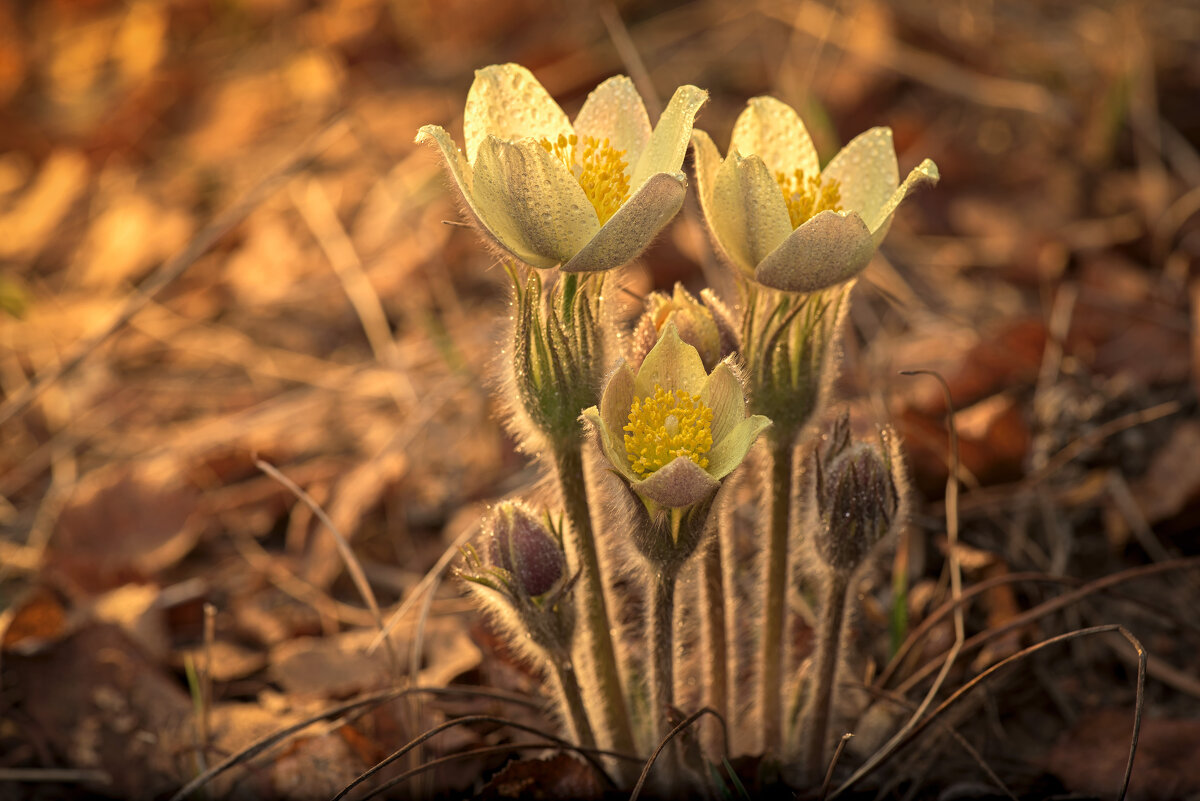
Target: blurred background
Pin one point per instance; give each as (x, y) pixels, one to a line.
(219, 244)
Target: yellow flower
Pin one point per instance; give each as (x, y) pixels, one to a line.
(783, 221)
(672, 430)
(588, 196)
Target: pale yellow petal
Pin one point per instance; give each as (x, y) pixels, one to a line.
(462, 174)
(749, 215)
(615, 402)
(772, 130)
(614, 111)
(826, 250)
(669, 140)
(671, 364)
(731, 451)
(924, 173)
(866, 172)
(723, 394)
(507, 102)
(633, 227)
(532, 201)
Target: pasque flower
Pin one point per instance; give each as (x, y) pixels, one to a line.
(782, 220)
(671, 430)
(588, 195)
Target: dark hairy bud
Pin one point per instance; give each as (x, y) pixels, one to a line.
(523, 546)
(857, 502)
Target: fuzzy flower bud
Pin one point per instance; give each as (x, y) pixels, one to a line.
(522, 545)
(702, 323)
(857, 502)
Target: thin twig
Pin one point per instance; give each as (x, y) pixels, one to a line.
(353, 567)
(675, 732)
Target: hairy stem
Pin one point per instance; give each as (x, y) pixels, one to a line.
(815, 735)
(564, 671)
(715, 649)
(775, 600)
(662, 662)
(613, 714)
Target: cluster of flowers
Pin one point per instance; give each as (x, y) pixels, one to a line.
(676, 406)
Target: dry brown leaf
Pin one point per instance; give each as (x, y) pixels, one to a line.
(560, 776)
(124, 523)
(1091, 757)
(34, 620)
(27, 225)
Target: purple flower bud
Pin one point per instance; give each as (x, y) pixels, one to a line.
(522, 544)
(857, 501)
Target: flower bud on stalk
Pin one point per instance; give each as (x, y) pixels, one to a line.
(525, 588)
(858, 503)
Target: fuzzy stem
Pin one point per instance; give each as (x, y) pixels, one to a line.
(564, 671)
(713, 594)
(829, 639)
(662, 662)
(614, 716)
(775, 568)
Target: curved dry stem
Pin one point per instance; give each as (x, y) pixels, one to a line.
(903, 703)
(1047, 607)
(906, 736)
(436, 730)
(260, 746)
(484, 751)
(684, 724)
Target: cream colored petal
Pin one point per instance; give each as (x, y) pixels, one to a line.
(616, 400)
(614, 111)
(671, 364)
(633, 227)
(866, 171)
(669, 140)
(540, 204)
(507, 102)
(724, 395)
(772, 130)
(750, 216)
(678, 484)
(826, 250)
(613, 446)
(924, 173)
(727, 454)
(498, 231)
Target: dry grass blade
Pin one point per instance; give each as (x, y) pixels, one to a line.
(441, 727)
(961, 693)
(837, 755)
(478, 752)
(275, 738)
(683, 725)
(970, 750)
(1053, 605)
(352, 564)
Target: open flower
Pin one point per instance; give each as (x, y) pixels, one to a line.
(783, 221)
(590, 195)
(671, 430)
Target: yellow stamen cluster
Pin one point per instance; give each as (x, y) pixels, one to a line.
(807, 195)
(599, 168)
(665, 427)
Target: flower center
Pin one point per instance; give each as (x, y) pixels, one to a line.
(808, 195)
(666, 426)
(599, 168)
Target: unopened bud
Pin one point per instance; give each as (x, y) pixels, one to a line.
(523, 545)
(701, 324)
(857, 501)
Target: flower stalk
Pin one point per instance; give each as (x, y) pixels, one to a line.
(829, 640)
(597, 635)
(775, 560)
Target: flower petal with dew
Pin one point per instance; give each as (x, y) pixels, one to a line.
(588, 195)
(671, 429)
(775, 215)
